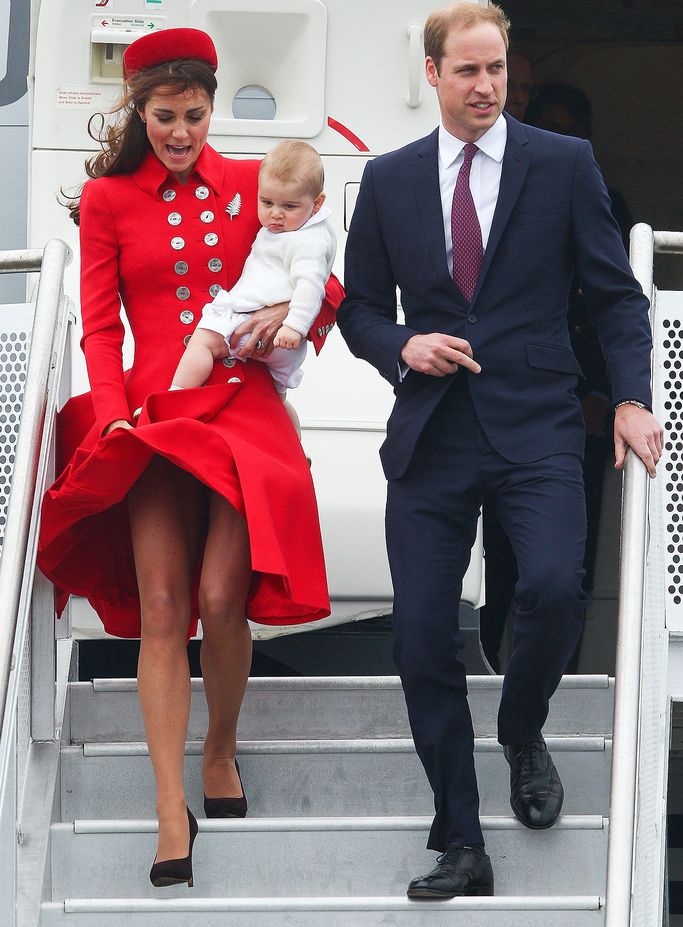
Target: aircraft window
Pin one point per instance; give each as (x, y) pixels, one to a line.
(254, 102)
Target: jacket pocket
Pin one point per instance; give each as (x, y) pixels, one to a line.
(552, 357)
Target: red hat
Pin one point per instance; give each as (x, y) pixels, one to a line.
(168, 45)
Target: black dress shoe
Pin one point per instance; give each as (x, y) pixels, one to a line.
(175, 871)
(227, 807)
(459, 871)
(536, 793)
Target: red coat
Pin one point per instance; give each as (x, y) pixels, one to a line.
(161, 246)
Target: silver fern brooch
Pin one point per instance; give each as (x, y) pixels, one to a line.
(234, 206)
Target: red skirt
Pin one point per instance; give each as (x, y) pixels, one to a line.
(237, 439)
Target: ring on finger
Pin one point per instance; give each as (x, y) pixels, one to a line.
(260, 345)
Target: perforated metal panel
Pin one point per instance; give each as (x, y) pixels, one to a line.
(15, 329)
(668, 376)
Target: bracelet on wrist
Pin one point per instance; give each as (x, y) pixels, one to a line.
(631, 402)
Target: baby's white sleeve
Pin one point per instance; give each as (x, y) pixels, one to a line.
(310, 269)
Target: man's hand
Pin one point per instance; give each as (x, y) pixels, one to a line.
(261, 327)
(638, 429)
(438, 355)
(287, 338)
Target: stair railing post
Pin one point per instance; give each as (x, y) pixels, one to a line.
(629, 646)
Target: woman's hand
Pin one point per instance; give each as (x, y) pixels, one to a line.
(261, 327)
(119, 423)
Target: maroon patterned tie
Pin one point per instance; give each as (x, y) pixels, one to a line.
(465, 229)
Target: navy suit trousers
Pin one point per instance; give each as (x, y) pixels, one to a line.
(431, 524)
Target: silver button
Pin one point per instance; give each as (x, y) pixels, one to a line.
(320, 333)
(182, 292)
(234, 380)
(201, 193)
(186, 340)
(215, 290)
(215, 264)
(229, 361)
(211, 239)
(181, 267)
(207, 216)
(186, 316)
(174, 218)
(168, 195)
(177, 243)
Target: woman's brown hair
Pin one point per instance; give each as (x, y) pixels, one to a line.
(123, 140)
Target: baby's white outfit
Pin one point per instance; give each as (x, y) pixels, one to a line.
(282, 267)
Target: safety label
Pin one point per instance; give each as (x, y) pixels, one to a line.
(79, 97)
(127, 23)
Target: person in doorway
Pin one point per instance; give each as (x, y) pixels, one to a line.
(482, 225)
(290, 261)
(520, 87)
(204, 506)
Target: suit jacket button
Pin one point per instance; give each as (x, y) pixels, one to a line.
(186, 316)
(471, 317)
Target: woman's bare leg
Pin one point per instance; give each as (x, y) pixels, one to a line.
(166, 513)
(226, 645)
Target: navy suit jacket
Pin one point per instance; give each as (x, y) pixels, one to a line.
(552, 220)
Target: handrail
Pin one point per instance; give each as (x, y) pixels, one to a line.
(627, 694)
(627, 698)
(25, 261)
(55, 257)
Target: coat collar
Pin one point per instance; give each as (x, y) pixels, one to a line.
(427, 191)
(152, 174)
(515, 166)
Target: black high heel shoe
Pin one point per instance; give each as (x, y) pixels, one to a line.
(175, 871)
(227, 807)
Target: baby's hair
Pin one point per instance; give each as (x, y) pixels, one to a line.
(295, 162)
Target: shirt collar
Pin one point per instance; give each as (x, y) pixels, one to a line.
(152, 174)
(492, 143)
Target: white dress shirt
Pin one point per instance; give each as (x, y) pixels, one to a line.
(487, 166)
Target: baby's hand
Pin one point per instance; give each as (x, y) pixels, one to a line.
(286, 337)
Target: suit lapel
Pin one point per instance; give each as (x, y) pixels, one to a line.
(428, 195)
(515, 166)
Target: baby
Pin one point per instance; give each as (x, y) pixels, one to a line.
(290, 261)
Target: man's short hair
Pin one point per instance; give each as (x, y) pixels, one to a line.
(295, 162)
(459, 16)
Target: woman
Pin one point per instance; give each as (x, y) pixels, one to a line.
(204, 504)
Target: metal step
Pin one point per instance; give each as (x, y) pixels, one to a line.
(107, 710)
(396, 911)
(324, 777)
(321, 856)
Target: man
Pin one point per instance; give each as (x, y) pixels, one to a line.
(520, 84)
(482, 226)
